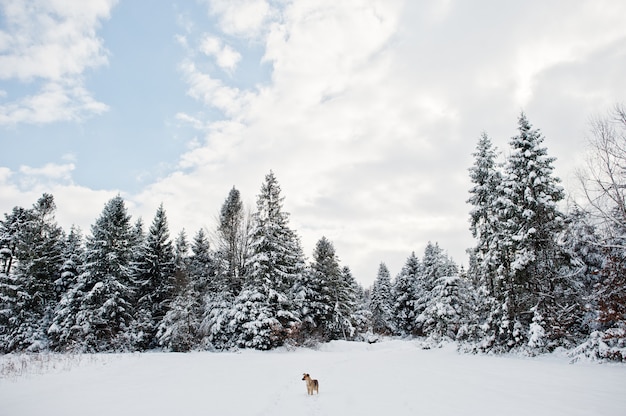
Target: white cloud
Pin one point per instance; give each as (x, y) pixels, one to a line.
(226, 57)
(50, 171)
(76, 205)
(55, 101)
(247, 18)
(50, 44)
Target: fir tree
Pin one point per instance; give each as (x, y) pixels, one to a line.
(353, 306)
(103, 296)
(451, 312)
(381, 302)
(181, 262)
(531, 262)
(28, 290)
(484, 223)
(404, 295)
(155, 281)
(264, 313)
(201, 263)
(318, 291)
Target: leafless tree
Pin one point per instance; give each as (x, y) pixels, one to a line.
(604, 179)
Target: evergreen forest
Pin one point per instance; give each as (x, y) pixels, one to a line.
(540, 276)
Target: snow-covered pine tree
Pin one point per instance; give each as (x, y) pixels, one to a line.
(181, 262)
(435, 264)
(404, 295)
(356, 303)
(531, 262)
(484, 223)
(104, 293)
(348, 316)
(317, 294)
(28, 288)
(582, 241)
(381, 302)
(264, 314)
(73, 257)
(154, 282)
(180, 328)
(451, 312)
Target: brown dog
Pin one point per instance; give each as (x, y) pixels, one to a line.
(311, 385)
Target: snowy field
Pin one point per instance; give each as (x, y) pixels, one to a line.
(389, 378)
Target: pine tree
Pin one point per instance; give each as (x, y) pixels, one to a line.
(73, 257)
(531, 263)
(355, 306)
(404, 295)
(317, 293)
(451, 312)
(103, 296)
(381, 302)
(155, 281)
(484, 223)
(263, 314)
(28, 288)
(201, 263)
(435, 265)
(179, 328)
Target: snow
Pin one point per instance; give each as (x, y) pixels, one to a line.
(389, 377)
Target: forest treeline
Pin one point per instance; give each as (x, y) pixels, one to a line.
(538, 278)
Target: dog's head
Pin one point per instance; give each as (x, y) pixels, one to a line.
(305, 376)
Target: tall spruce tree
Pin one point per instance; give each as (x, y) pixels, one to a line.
(103, 296)
(435, 265)
(531, 266)
(34, 244)
(355, 306)
(263, 314)
(484, 223)
(381, 302)
(318, 291)
(154, 282)
(73, 258)
(404, 295)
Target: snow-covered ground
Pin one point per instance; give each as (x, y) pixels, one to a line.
(389, 378)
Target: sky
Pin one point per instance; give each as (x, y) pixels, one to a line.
(367, 111)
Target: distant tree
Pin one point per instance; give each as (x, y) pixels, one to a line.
(484, 223)
(155, 281)
(354, 303)
(73, 267)
(73, 255)
(381, 302)
(201, 263)
(179, 328)
(326, 296)
(181, 262)
(404, 295)
(451, 312)
(232, 237)
(435, 265)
